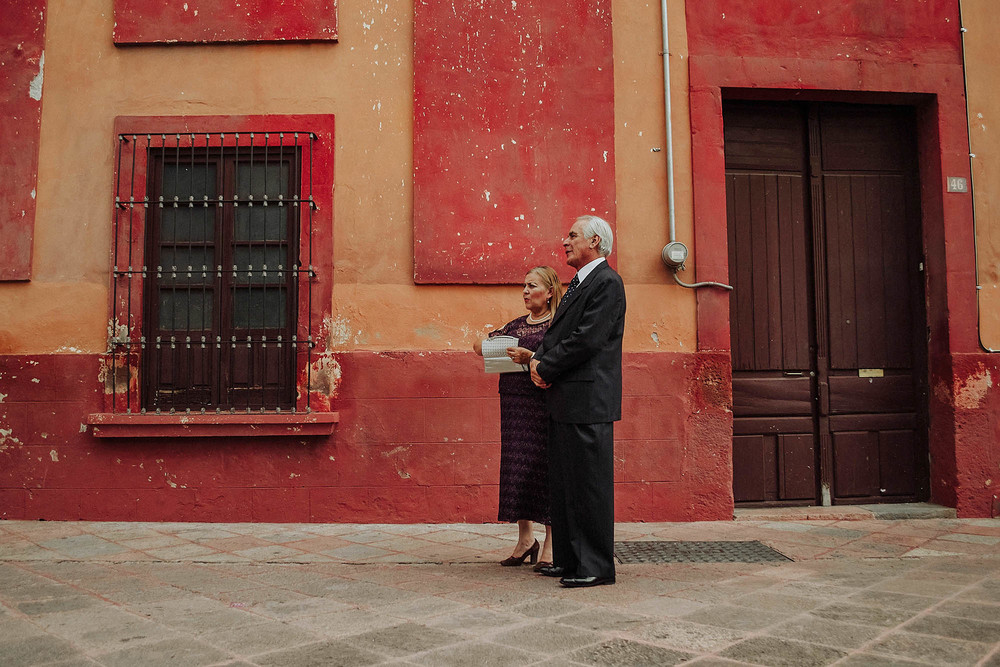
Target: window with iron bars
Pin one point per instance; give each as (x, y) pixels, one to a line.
(212, 272)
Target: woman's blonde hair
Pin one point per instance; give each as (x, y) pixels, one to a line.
(550, 279)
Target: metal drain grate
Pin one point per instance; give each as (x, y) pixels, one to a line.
(697, 552)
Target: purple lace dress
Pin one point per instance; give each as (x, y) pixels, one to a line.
(524, 466)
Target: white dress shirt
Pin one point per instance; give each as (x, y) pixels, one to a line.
(587, 268)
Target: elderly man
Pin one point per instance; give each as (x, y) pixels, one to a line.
(580, 363)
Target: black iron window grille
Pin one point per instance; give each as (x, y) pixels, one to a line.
(212, 273)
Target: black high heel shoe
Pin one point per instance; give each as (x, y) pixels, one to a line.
(531, 553)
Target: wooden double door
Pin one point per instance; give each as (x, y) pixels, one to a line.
(827, 313)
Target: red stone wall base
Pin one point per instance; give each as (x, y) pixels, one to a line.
(417, 441)
(965, 433)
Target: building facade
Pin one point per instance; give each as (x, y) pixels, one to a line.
(244, 253)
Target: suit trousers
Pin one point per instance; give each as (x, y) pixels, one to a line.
(581, 469)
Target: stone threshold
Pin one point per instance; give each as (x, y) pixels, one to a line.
(879, 512)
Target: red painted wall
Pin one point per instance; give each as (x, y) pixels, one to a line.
(22, 44)
(206, 21)
(418, 441)
(973, 402)
(862, 51)
(513, 134)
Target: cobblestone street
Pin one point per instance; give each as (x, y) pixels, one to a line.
(857, 590)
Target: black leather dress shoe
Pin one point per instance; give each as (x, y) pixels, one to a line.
(584, 582)
(552, 571)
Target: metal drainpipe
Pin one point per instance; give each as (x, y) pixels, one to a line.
(972, 187)
(675, 253)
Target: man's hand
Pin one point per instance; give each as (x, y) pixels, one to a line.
(536, 378)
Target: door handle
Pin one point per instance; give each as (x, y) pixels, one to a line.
(793, 374)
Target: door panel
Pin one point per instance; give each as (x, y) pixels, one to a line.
(785, 396)
(797, 466)
(856, 463)
(853, 394)
(771, 315)
(897, 468)
(829, 356)
(776, 467)
(773, 394)
(866, 244)
(864, 137)
(874, 463)
(749, 425)
(758, 471)
(871, 223)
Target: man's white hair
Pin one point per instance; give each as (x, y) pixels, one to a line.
(594, 226)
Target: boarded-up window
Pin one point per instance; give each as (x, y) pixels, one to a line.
(22, 40)
(206, 21)
(513, 134)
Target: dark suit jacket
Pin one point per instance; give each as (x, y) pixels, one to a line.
(581, 353)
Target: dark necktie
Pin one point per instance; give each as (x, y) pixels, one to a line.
(573, 284)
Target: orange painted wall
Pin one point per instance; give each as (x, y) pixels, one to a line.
(982, 24)
(366, 80)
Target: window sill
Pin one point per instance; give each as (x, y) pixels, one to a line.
(183, 425)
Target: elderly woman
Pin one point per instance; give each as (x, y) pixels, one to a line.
(524, 495)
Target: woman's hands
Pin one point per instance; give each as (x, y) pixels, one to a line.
(519, 355)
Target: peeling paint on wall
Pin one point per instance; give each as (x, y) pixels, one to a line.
(339, 329)
(116, 332)
(35, 88)
(325, 375)
(7, 439)
(116, 378)
(973, 390)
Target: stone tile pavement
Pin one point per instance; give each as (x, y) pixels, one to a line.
(858, 590)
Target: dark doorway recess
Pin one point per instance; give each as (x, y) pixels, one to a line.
(827, 315)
